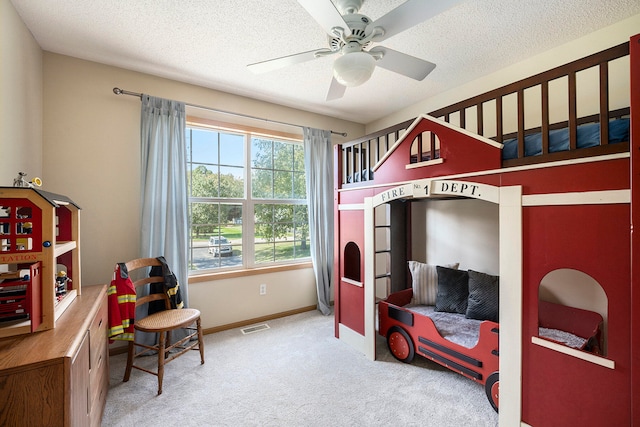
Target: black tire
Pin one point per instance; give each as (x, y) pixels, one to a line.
(491, 389)
(400, 344)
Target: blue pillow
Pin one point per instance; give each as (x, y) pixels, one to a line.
(619, 130)
(510, 149)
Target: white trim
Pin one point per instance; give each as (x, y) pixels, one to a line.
(351, 207)
(401, 192)
(589, 357)
(425, 163)
(605, 197)
(351, 337)
(460, 188)
(351, 282)
(429, 188)
(510, 219)
(369, 279)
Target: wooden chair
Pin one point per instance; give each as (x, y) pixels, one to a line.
(162, 323)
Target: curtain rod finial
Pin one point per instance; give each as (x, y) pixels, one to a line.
(117, 91)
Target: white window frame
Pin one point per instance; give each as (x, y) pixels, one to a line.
(248, 202)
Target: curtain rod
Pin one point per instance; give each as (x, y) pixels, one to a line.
(119, 91)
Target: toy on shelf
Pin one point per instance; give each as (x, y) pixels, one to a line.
(21, 182)
(61, 285)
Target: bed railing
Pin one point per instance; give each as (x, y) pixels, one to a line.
(359, 156)
(535, 105)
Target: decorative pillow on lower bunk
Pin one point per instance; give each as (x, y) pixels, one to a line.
(484, 296)
(425, 281)
(453, 290)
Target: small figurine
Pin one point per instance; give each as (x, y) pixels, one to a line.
(61, 284)
(21, 182)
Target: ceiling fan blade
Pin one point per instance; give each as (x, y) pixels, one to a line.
(408, 14)
(326, 14)
(274, 64)
(402, 63)
(336, 90)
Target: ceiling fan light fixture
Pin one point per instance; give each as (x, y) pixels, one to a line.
(354, 68)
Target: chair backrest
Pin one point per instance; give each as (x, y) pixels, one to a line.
(141, 265)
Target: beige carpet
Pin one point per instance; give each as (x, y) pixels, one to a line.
(295, 374)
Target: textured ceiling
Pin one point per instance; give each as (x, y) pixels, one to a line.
(209, 43)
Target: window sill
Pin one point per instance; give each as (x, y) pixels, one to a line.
(425, 163)
(351, 282)
(207, 277)
(589, 357)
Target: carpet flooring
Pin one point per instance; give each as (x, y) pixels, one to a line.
(296, 373)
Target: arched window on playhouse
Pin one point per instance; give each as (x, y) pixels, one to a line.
(352, 263)
(572, 311)
(425, 149)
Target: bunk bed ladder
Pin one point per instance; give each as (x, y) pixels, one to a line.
(392, 246)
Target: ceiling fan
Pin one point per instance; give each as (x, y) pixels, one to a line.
(350, 34)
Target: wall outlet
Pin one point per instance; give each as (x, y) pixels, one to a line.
(263, 289)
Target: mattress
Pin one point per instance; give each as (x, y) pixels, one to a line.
(458, 329)
(563, 337)
(451, 326)
(588, 135)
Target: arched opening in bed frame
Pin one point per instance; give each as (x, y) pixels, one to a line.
(352, 262)
(576, 289)
(509, 201)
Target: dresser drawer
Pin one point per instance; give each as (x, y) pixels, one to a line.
(99, 363)
(98, 334)
(99, 385)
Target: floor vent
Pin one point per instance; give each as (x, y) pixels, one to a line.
(256, 328)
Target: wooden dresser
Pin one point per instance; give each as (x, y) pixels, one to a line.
(59, 377)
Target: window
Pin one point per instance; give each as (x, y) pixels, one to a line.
(247, 200)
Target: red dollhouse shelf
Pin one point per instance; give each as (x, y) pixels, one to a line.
(39, 231)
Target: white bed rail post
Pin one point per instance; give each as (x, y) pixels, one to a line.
(369, 280)
(510, 306)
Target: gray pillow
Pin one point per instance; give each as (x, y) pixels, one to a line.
(453, 290)
(484, 297)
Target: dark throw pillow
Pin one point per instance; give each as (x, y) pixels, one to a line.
(484, 296)
(453, 290)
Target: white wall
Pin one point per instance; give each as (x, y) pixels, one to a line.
(20, 98)
(228, 301)
(464, 231)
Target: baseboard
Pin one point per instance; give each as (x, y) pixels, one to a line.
(257, 320)
(123, 348)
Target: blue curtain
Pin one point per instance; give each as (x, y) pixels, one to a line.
(318, 163)
(164, 221)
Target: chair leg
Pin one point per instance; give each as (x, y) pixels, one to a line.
(161, 357)
(127, 371)
(200, 341)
